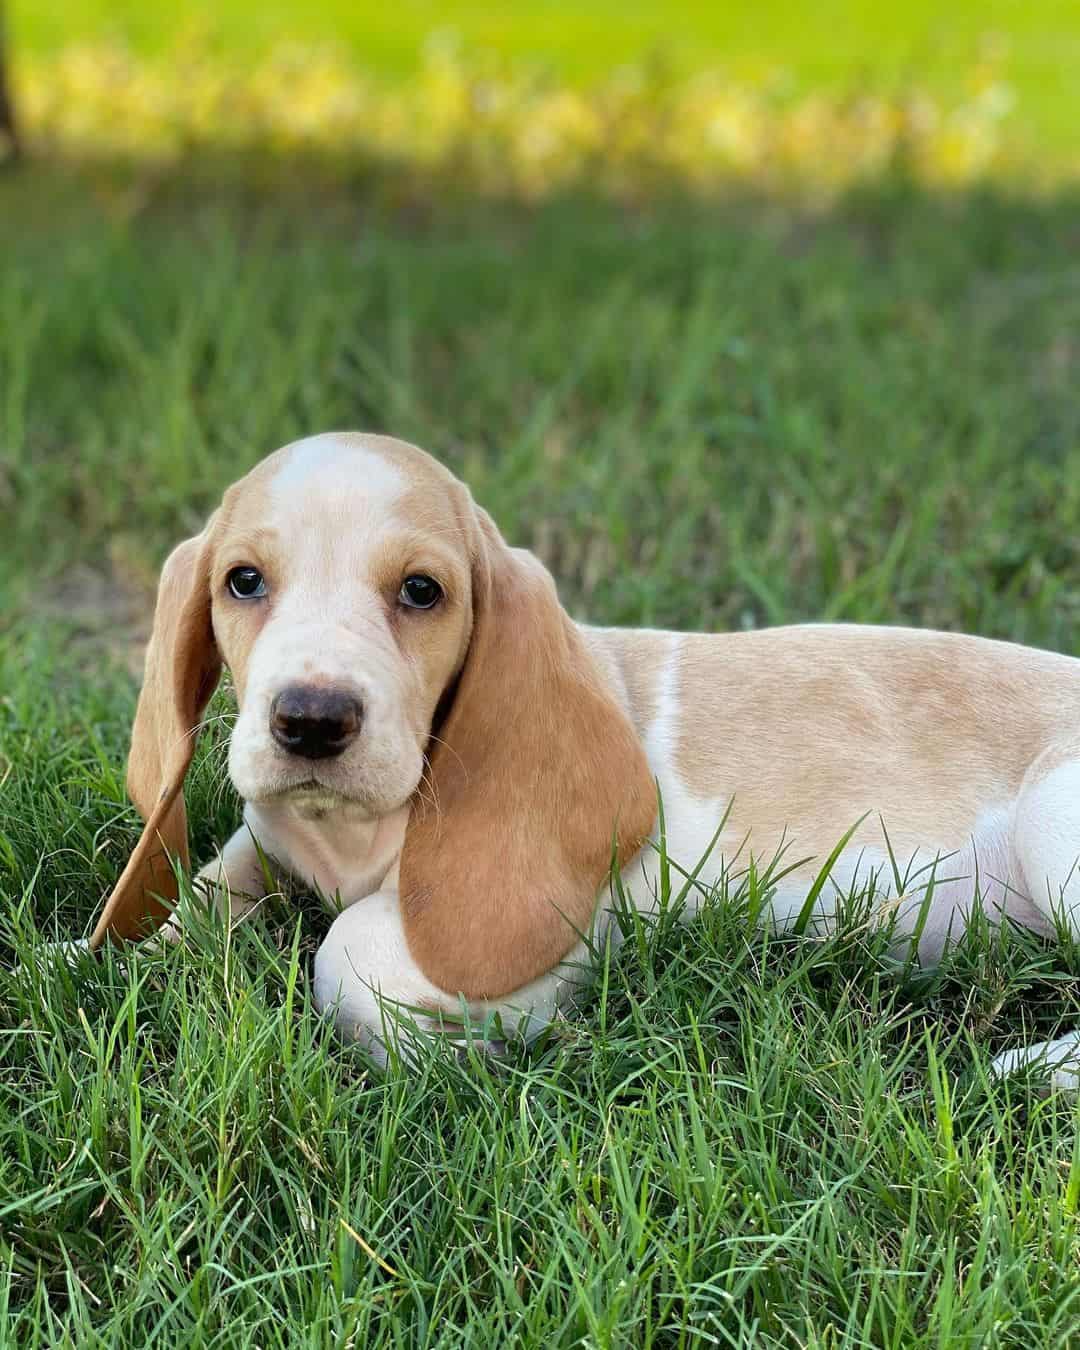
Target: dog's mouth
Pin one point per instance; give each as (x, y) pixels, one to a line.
(315, 790)
(312, 790)
(313, 797)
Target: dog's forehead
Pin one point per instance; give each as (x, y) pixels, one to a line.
(329, 465)
(345, 478)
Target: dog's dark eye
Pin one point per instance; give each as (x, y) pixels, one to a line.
(246, 583)
(420, 592)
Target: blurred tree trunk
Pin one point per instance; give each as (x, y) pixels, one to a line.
(9, 127)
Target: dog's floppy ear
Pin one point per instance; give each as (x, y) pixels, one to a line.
(536, 773)
(182, 669)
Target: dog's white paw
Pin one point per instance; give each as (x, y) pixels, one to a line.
(170, 934)
(208, 894)
(68, 951)
(48, 954)
(1059, 1060)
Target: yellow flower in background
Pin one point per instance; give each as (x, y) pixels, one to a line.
(471, 123)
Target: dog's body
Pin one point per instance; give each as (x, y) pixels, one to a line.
(461, 774)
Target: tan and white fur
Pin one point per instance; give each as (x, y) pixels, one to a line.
(504, 756)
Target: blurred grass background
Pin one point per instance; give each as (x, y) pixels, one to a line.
(737, 315)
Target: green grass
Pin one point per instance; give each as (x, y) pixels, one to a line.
(833, 43)
(699, 418)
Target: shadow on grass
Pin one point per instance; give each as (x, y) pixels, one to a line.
(414, 195)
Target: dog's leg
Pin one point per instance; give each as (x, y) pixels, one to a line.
(367, 980)
(234, 880)
(1046, 845)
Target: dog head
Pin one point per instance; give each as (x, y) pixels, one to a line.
(388, 648)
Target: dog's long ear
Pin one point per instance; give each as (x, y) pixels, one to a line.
(535, 773)
(182, 669)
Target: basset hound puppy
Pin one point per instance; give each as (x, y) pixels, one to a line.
(425, 735)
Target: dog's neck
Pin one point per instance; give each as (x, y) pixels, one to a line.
(330, 843)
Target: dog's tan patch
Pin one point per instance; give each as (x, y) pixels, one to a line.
(810, 728)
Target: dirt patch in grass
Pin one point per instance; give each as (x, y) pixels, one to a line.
(108, 615)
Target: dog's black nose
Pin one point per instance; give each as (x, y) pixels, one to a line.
(313, 722)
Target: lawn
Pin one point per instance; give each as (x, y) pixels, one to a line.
(703, 415)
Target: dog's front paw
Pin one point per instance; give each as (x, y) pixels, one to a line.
(1056, 1061)
(211, 893)
(48, 953)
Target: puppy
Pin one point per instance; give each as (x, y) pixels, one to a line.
(425, 735)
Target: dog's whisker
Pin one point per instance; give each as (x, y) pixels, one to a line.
(439, 741)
